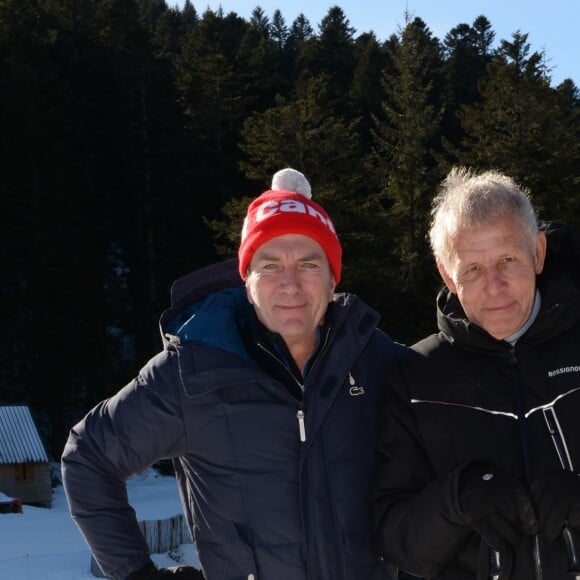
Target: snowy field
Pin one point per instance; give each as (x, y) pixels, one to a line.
(45, 544)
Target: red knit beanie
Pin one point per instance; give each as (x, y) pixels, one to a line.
(287, 208)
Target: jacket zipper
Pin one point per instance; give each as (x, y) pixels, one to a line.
(301, 426)
(525, 451)
(300, 414)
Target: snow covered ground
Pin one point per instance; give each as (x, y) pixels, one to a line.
(45, 544)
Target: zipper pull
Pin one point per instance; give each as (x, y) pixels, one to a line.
(300, 417)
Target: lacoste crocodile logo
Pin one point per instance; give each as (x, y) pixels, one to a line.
(354, 390)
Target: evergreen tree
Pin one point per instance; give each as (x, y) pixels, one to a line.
(406, 134)
(213, 99)
(260, 22)
(484, 37)
(332, 54)
(525, 128)
(258, 64)
(467, 51)
(170, 29)
(279, 31)
(366, 90)
(301, 30)
(189, 14)
(285, 53)
(501, 125)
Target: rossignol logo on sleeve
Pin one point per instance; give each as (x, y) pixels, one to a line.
(564, 370)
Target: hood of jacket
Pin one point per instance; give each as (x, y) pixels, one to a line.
(559, 286)
(205, 307)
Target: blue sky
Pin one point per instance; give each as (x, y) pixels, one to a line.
(552, 26)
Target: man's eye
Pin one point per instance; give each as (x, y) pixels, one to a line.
(471, 272)
(309, 265)
(507, 262)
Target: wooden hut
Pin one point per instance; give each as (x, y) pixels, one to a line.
(24, 466)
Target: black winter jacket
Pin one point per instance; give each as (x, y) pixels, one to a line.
(462, 396)
(261, 500)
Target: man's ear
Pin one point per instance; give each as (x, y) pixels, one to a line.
(446, 277)
(332, 288)
(248, 293)
(541, 244)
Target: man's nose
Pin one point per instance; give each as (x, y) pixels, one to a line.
(289, 279)
(495, 280)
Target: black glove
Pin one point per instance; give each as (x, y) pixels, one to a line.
(151, 572)
(556, 496)
(497, 505)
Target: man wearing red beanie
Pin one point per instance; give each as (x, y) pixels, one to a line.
(266, 396)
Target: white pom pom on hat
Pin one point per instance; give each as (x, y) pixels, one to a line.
(289, 179)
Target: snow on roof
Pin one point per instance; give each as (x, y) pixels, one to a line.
(19, 438)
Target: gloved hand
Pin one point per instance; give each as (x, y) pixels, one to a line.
(497, 505)
(556, 496)
(151, 572)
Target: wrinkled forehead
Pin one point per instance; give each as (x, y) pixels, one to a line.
(505, 236)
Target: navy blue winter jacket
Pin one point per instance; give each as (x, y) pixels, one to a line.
(260, 497)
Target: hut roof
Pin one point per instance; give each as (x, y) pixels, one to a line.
(19, 438)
